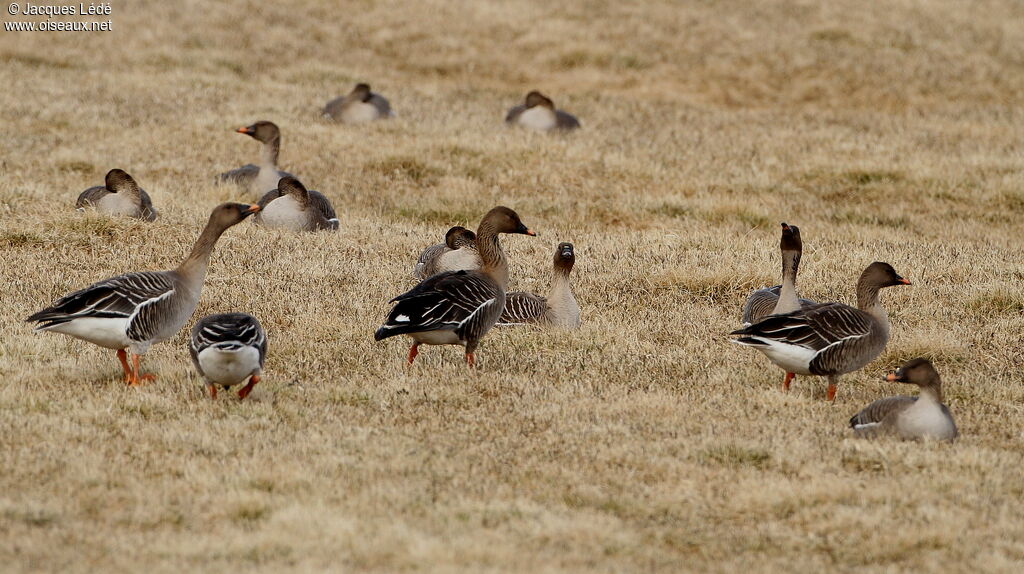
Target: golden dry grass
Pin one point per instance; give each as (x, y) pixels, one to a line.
(642, 442)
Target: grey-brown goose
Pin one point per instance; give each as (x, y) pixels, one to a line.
(229, 349)
(828, 339)
(119, 195)
(910, 418)
(559, 308)
(458, 307)
(135, 310)
(291, 206)
(261, 178)
(360, 106)
(780, 298)
(457, 253)
(539, 113)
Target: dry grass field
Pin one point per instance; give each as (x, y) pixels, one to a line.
(644, 441)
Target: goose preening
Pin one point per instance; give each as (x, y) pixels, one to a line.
(135, 310)
(457, 253)
(229, 349)
(828, 339)
(539, 113)
(119, 195)
(261, 178)
(909, 418)
(558, 309)
(291, 206)
(780, 298)
(458, 307)
(360, 106)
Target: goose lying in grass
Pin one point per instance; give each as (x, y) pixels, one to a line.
(119, 195)
(360, 106)
(135, 310)
(261, 178)
(229, 349)
(828, 339)
(909, 418)
(457, 253)
(558, 309)
(539, 113)
(780, 298)
(458, 307)
(291, 206)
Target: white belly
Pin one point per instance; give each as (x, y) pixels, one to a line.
(117, 204)
(108, 333)
(459, 260)
(437, 338)
(792, 358)
(925, 419)
(538, 118)
(266, 180)
(285, 213)
(229, 367)
(359, 113)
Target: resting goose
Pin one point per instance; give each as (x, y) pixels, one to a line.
(828, 339)
(135, 310)
(910, 418)
(119, 195)
(458, 307)
(228, 349)
(780, 298)
(457, 253)
(558, 309)
(539, 113)
(259, 179)
(360, 106)
(292, 206)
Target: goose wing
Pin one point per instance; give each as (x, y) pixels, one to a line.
(320, 202)
(242, 175)
(815, 327)
(442, 302)
(91, 196)
(513, 113)
(566, 121)
(870, 418)
(522, 307)
(130, 296)
(427, 261)
(239, 328)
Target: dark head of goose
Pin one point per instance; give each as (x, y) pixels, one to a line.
(880, 274)
(117, 180)
(262, 131)
(504, 220)
(565, 256)
(791, 238)
(915, 372)
(536, 98)
(227, 214)
(459, 236)
(289, 185)
(361, 92)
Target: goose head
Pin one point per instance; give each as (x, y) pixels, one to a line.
(119, 180)
(458, 237)
(879, 274)
(360, 93)
(918, 372)
(291, 186)
(227, 214)
(504, 220)
(536, 98)
(565, 257)
(262, 131)
(791, 239)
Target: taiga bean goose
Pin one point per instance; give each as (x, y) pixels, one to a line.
(458, 307)
(559, 308)
(360, 106)
(828, 339)
(119, 196)
(780, 298)
(292, 206)
(539, 113)
(229, 349)
(457, 253)
(910, 418)
(135, 310)
(259, 179)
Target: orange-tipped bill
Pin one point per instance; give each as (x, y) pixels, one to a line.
(253, 208)
(531, 232)
(904, 281)
(245, 131)
(891, 377)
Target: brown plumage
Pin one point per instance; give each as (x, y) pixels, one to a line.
(120, 195)
(538, 112)
(457, 253)
(291, 206)
(911, 418)
(261, 178)
(559, 308)
(359, 106)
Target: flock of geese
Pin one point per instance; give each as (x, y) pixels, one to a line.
(462, 291)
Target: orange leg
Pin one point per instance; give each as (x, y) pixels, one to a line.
(248, 387)
(122, 356)
(831, 394)
(138, 377)
(413, 351)
(213, 391)
(471, 359)
(787, 380)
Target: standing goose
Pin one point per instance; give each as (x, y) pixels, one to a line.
(828, 339)
(259, 179)
(458, 307)
(228, 349)
(559, 309)
(539, 113)
(910, 418)
(360, 106)
(135, 310)
(457, 253)
(119, 196)
(782, 298)
(292, 206)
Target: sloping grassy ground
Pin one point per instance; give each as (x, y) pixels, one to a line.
(642, 442)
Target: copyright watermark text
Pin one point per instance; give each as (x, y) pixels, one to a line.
(52, 11)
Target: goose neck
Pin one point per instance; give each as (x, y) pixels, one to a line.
(492, 256)
(788, 299)
(270, 151)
